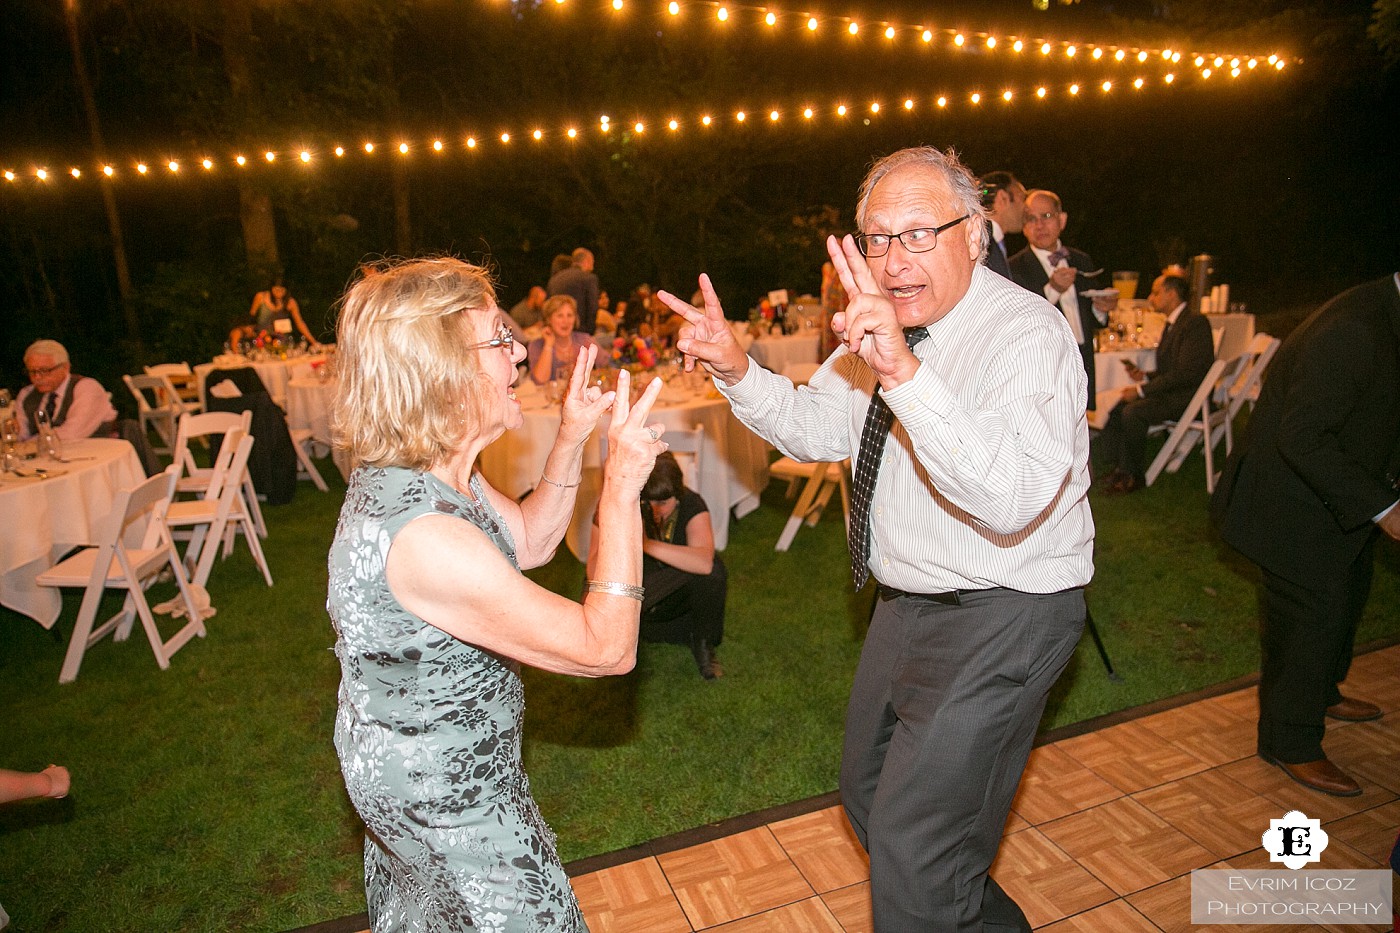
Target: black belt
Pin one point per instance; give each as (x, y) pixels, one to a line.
(950, 598)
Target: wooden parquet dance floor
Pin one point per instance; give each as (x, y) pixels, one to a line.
(1103, 835)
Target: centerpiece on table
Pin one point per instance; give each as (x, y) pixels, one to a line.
(633, 353)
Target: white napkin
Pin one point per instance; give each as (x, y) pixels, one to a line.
(225, 389)
(175, 608)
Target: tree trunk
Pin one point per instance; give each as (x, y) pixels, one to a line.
(254, 202)
(99, 149)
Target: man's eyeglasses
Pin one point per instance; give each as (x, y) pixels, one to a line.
(44, 371)
(504, 338)
(918, 240)
(1042, 218)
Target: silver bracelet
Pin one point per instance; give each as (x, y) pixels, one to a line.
(630, 590)
(560, 485)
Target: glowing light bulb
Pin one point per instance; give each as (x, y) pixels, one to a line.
(1200, 61)
(1137, 84)
(853, 28)
(639, 127)
(1176, 57)
(840, 110)
(207, 163)
(505, 137)
(807, 113)
(1218, 61)
(991, 42)
(471, 142)
(339, 151)
(1096, 54)
(141, 168)
(705, 120)
(106, 170)
(976, 98)
(1045, 48)
(270, 156)
(571, 132)
(770, 18)
(305, 156)
(908, 103)
(926, 35)
(437, 145)
(617, 4)
(75, 172)
(538, 135)
(1119, 55)
(722, 13)
(241, 160)
(1017, 46)
(1273, 59)
(403, 148)
(1205, 73)
(1141, 57)
(1070, 50)
(42, 174)
(958, 40)
(673, 125)
(673, 8)
(1107, 86)
(10, 176)
(811, 24)
(889, 32)
(1278, 65)
(1167, 54)
(369, 148)
(1169, 78)
(1040, 92)
(1074, 89)
(1006, 96)
(942, 101)
(741, 116)
(1253, 63)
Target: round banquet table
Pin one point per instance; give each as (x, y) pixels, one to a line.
(46, 518)
(735, 460)
(274, 373)
(309, 408)
(775, 353)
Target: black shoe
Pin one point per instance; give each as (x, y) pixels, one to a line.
(705, 659)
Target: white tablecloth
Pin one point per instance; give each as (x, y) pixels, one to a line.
(46, 518)
(308, 407)
(275, 374)
(735, 460)
(1110, 373)
(776, 353)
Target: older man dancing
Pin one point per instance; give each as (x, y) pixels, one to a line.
(967, 394)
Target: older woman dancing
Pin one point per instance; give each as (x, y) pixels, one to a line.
(432, 615)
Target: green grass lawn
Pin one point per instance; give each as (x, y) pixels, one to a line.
(208, 796)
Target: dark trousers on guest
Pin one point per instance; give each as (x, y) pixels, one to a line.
(683, 608)
(1122, 444)
(943, 711)
(1307, 636)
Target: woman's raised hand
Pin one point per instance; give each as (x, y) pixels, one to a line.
(633, 445)
(584, 404)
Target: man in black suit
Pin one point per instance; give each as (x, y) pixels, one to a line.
(1184, 356)
(578, 281)
(1062, 274)
(1302, 496)
(1004, 199)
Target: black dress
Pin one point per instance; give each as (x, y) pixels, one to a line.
(681, 608)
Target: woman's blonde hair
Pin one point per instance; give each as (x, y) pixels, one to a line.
(409, 391)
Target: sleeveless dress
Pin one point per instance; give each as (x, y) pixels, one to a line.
(428, 735)
(268, 316)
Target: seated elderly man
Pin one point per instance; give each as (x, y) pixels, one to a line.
(77, 406)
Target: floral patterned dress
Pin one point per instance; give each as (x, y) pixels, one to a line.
(428, 734)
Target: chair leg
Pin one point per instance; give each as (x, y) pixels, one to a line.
(250, 535)
(82, 635)
(802, 509)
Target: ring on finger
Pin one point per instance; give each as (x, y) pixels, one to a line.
(654, 435)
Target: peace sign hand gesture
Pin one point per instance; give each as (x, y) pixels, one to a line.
(706, 336)
(869, 326)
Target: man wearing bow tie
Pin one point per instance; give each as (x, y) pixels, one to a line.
(1062, 274)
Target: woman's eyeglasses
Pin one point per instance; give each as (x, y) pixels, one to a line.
(504, 338)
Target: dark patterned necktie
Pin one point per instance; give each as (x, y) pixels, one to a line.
(51, 406)
(878, 421)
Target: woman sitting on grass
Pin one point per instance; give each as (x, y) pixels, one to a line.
(432, 615)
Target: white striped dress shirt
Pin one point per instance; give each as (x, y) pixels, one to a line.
(984, 480)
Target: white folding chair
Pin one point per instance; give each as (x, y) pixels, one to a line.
(159, 404)
(1262, 349)
(111, 564)
(306, 467)
(689, 447)
(221, 513)
(1196, 422)
(822, 479)
(195, 478)
(183, 379)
